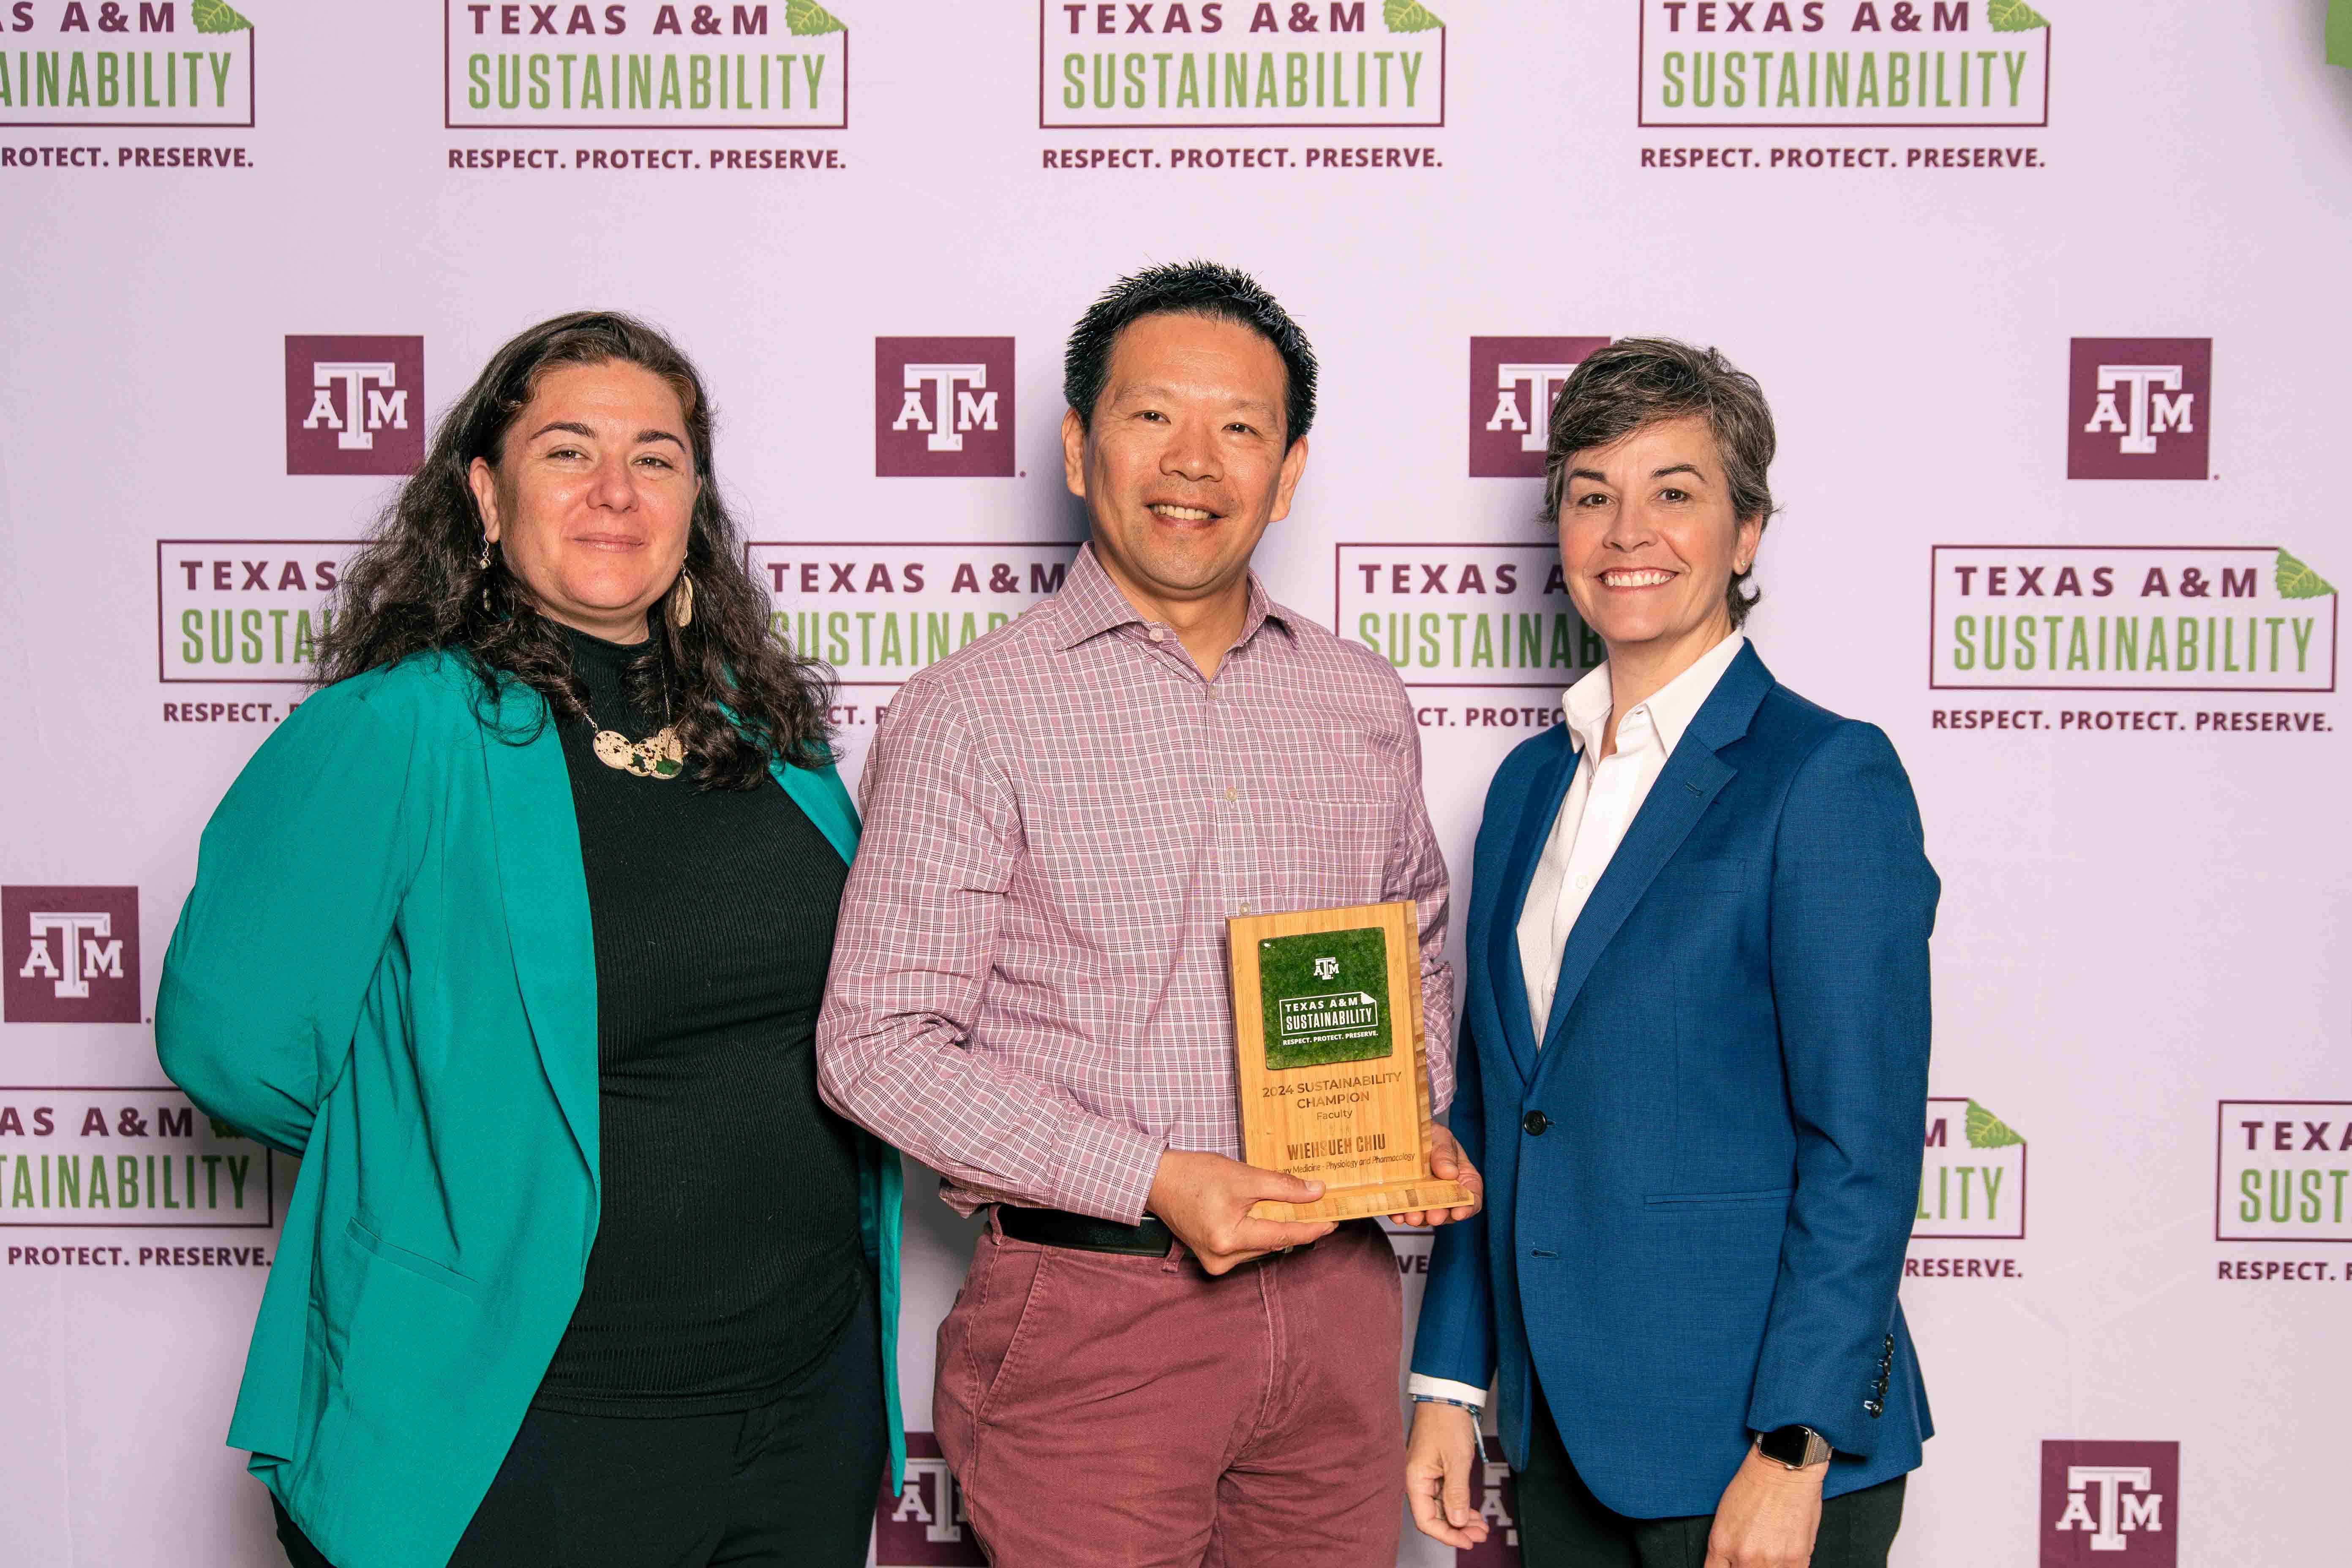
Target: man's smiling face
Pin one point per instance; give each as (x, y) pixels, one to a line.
(1186, 460)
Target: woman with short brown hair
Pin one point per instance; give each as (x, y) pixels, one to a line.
(1693, 1060)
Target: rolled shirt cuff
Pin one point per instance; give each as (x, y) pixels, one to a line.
(1422, 1387)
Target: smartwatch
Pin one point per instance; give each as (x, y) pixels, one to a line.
(1794, 1448)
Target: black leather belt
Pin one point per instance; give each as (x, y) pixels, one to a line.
(1058, 1228)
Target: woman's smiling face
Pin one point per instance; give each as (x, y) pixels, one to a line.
(593, 495)
(1648, 540)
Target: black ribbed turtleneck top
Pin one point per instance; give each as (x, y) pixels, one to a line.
(728, 1252)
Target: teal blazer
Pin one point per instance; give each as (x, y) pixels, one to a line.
(386, 967)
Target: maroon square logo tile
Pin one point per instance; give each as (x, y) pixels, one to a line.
(922, 1524)
(2140, 408)
(2110, 1505)
(942, 407)
(354, 405)
(72, 954)
(1513, 383)
(1494, 1495)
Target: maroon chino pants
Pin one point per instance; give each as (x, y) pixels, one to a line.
(1122, 1412)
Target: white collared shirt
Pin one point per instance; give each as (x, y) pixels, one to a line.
(1603, 801)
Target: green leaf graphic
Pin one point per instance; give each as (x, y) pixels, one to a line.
(1986, 1131)
(2296, 580)
(2015, 17)
(806, 19)
(217, 16)
(1409, 16)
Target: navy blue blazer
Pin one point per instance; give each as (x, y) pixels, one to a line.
(1699, 1191)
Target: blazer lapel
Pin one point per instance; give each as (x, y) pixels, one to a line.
(1689, 783)
(819, 794)
(1544, 796)
(817, 791)
(546, 895)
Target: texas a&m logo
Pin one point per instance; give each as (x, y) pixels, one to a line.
(1496, 1497)
(71, 954)
(942, 406)
(922, 1524)
(2140, 408)
(1513, 383)
(2110, 1504)
(354, 405)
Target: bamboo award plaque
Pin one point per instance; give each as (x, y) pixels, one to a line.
(1333, 1064)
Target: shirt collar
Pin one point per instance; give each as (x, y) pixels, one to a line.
(1585, 706)
(1090, 604)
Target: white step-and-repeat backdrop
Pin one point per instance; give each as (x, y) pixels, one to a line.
(2051, 307)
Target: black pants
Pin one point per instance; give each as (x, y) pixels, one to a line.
(1563, 1525)
(789, 1484)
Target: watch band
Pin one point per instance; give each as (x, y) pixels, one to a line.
(1794, 1448)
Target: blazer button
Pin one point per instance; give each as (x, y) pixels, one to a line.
(1535, 1122)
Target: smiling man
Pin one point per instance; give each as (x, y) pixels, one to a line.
(1029, 990)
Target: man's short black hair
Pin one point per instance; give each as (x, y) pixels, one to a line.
(1189, 288)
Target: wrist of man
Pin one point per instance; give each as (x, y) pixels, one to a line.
(1114, 1180)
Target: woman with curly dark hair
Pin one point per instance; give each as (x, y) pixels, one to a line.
(516, 932)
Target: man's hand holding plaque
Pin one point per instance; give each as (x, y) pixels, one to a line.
(1206, 1199)
(1333, 1076)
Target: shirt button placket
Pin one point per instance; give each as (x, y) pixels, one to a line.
(1233, 838)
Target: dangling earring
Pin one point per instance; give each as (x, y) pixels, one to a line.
(484, 563)
(681, 602)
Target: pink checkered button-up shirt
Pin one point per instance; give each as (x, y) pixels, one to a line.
(1029, 990)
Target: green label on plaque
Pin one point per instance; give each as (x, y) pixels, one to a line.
(1327, 998)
